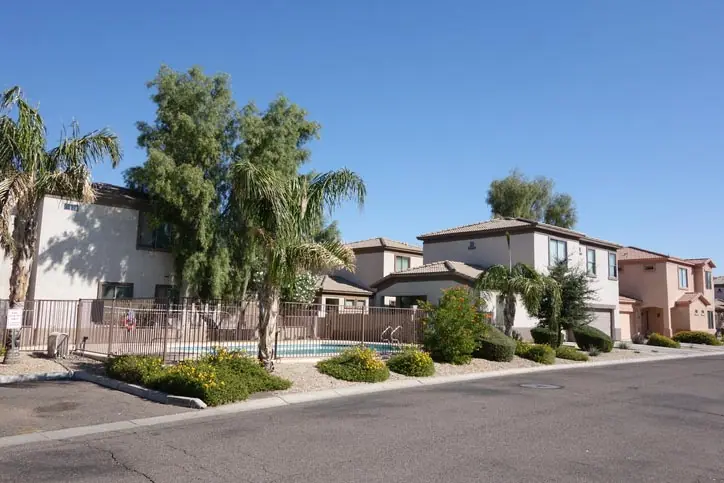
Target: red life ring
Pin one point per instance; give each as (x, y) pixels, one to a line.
(129, 323)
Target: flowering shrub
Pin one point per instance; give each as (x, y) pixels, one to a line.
(219, 378)
(696, 337)
(540, 353)
(412, 362)
(570, 353)
(359, 364)
(662, 341)
(453, 328)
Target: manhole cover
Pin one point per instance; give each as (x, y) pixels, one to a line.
(540, 386)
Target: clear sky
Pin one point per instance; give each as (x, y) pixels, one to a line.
(621, 102)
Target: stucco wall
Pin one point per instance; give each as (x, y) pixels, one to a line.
(4, 276)
(368, 269)
(389, 262)
(80, 249)
(488, 251)
(648, 286)
(430, 288)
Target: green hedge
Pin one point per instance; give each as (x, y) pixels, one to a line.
(570, 353)
(358, 364)
(696, 337)
(495, 346)
(413, 363)
(544, 335)
(662, 341)
(219, 378)
(588, 337)
(540, 353)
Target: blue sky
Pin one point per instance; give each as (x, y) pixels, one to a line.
(619, 102)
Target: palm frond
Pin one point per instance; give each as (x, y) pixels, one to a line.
(83, 151)
(318, 257)
(495, 278)
(329, 190)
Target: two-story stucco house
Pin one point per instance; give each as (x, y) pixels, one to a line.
(106, 249)
(375, 258)
(666, 294)
(458, 255)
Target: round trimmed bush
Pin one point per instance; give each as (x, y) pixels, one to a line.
(588, 337)
(696, 337)
(495, 346)
(544, 335)
(662, 341)
(357, 364)
(571, 353)
(413, 363)
(540, 353)
(140, 370)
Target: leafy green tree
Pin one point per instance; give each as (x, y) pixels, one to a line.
(575, 294)
(281, 211)
(189, 147)
(520, 197)
(517, 281)
(29, 171)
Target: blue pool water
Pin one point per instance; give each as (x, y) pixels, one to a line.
(297, 349)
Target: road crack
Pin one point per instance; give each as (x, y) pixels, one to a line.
(120, 463)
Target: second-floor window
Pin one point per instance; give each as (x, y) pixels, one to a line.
(151, 236)
(557, 252)
(401, 263)
(612, 265)
(710, 319)
(116, 290)
(591, 261)
(707, 278)
(683, 278)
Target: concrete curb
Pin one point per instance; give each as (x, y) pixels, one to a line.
(302, 397)
(139, 391)
(45, 376)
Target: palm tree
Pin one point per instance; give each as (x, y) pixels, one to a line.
(281, 215)
(29, 172)
(519, 280)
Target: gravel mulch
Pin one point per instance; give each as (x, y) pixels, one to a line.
(38, 363)
(305, 377)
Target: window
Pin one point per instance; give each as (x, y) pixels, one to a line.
(164, 294)
(407, 301)
(649, 268)
(557, 252)
(683, 278)
(591, 261)
(471, 245)
(359, 303)
(348, 303)
(612, 266)
(71, 207)
(401, 263)
(153, 237)
(707, 277)
(710, 319)
(115, 290)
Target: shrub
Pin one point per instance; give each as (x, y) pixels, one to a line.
(246, 368)
(201, 380)
(624, 345)
(662, 341)
(453, 328)
(588, 337)
(521, 347)
(413, 363)
(594, 352)
(141, 370)
(570, 353)
(359, 364)
(495, 346)
(544, 335)
(542, 354)
(696, 337)
(638, 338)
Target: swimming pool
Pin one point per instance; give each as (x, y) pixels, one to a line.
(302, 348)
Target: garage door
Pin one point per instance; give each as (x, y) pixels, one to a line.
(602, 320)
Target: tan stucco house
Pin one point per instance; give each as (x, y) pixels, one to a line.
(665, 294)
(457, 255)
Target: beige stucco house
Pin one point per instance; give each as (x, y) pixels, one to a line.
(665, 294)
(106, 249)
(457, 255)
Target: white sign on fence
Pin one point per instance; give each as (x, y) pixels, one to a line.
(15, 319)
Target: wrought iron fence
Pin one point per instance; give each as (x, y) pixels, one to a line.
(189, 329)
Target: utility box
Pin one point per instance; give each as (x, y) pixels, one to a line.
(57, 344)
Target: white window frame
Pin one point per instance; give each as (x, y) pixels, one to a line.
(612, 267)
(557, 242)
(400, 257)
(591, 267)
(708, 280)
(683, 271)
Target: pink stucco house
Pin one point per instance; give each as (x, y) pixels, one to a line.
(664, 294)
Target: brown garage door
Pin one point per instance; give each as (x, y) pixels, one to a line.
(602, 320)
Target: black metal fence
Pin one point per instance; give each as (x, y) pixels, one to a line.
(189, 329)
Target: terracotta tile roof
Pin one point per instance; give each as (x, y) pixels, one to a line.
(622, 299)
(502, 224)
(690, 297)
(468, 271)
(383, 243)
(634, 253)
(701, 261)
(718, 280)
(337, 284)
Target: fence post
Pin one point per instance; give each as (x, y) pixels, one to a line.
(165, 332)
(78, 314)
(363, 325)
(110, 327)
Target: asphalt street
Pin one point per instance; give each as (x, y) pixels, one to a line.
(652, 422)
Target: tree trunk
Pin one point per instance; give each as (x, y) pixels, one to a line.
(509, 313)
(24, 236)
(268, 311)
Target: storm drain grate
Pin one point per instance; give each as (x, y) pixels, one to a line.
(540, 386)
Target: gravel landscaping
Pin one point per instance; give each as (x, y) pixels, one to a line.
(37, 363)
